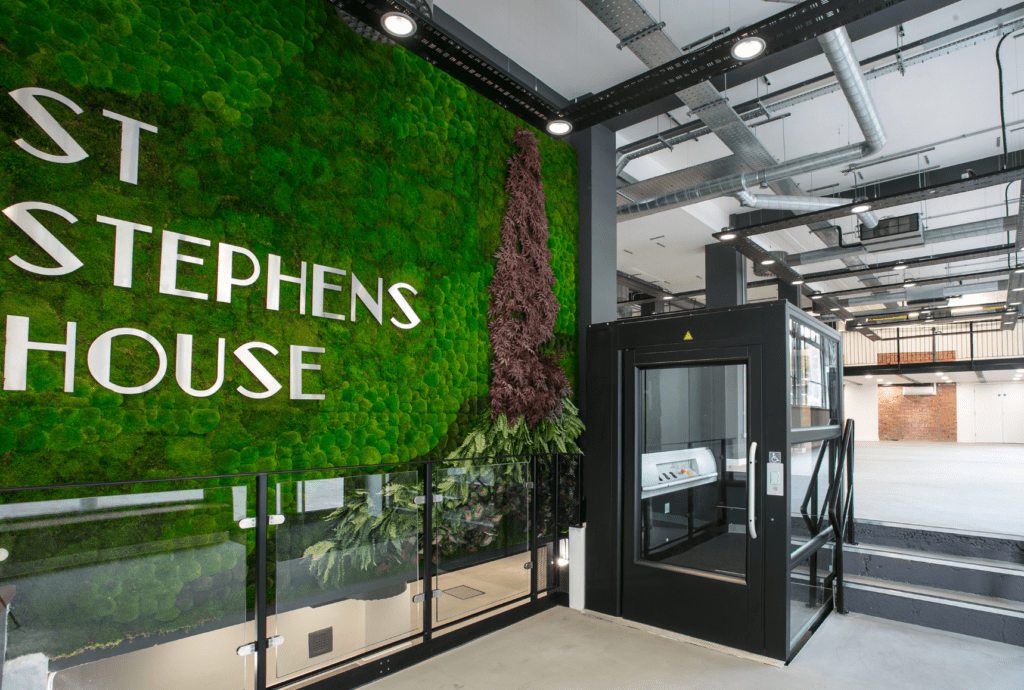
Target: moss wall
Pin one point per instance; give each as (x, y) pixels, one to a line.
(283, 132)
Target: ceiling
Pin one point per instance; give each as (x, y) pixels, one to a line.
(932, 104)
(998, 376)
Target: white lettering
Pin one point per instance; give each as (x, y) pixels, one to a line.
(169, 258)
(225, 270)
(124, 247)
(318, 291)
(183, 367)
(99, 361)
(130, 128)
(274, 280)
(246, 357)
(19, 214)
(26, 98)
(396, 294)
(297, 367)
(16, 354)
(363, 295)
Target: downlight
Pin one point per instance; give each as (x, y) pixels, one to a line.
(748, 48)
(398, 24)
(559, 128)
(861, 208)
(768, 262)
(727, 236)
(798, 282)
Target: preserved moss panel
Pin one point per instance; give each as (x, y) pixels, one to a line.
(283, 132)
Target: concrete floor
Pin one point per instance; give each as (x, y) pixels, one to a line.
(974, 487)
(563, 649)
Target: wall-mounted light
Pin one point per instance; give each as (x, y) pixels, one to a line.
(398, 24)
(748, 48)
(559, 128)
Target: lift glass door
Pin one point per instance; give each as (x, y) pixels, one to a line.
(693, 469)
(692, 558)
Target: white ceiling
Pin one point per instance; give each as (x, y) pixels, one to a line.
(564, 45)
(999, 376)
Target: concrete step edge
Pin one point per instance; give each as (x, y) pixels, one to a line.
(1001, 607)
(967, 562)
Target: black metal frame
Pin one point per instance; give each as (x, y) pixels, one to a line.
(426, 644)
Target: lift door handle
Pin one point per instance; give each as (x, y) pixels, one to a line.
(751, 488)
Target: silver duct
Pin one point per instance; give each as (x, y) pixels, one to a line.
(800, 204)
(954, 232)
(841, 57)
(941, 294)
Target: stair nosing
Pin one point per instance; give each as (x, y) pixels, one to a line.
(1014, 609)
(966, 562)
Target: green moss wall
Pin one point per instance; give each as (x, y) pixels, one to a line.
(283, 132)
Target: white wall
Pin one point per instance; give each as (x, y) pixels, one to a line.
(965, 412)
(860, 403)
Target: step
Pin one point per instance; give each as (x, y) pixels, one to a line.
(969, 575)
(996, 547)
(989, 618)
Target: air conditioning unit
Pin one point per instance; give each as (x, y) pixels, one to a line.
(926, 297)
(919, 390)
(893, 233)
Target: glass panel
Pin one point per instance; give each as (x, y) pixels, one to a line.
(347, 566)
(814, 376)
(482, 536)
(693, 482)
(139, 586)
(802, 459)
(808, 596)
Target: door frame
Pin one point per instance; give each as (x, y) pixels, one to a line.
(748, 629)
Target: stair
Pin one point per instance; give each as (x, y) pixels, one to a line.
(957, 582)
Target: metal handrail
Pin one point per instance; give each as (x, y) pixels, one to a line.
(812, 527)
(842, 525)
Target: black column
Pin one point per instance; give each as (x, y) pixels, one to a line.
(725, 273)
(595, 157)
(790, 293)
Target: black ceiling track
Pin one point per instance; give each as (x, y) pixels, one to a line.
(437, 47)
(784, 30)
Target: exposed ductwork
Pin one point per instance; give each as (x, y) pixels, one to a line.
(800, 204)
(980, 228)
(940, 294)
(839, 51)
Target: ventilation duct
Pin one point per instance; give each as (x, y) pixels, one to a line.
(839, 51)
(801, 204)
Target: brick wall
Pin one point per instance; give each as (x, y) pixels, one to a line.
(916, 357)
(917, 417)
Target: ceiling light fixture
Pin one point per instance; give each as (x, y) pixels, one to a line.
(967, 310)
(748, 48)
(669, 297)
(768, 262)
(861, 208)
(913, 314)
(834, 308)
(559, 128)
(1017, 289)
(398, 24)
(909, 283)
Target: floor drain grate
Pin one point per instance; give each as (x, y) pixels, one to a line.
(321, 642)
(463, 592)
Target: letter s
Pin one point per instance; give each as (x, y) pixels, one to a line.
(19, 214)
(26, 98)
(396, 294)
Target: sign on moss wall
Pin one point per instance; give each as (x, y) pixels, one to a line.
(238, 237)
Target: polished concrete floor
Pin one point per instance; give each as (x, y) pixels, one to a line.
(974, 487)
(563, 649)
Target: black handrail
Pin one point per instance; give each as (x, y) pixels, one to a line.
(838, 518)
(814, 527)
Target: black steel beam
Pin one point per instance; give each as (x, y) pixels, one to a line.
(784, 31)
(940, 280)
(887, 197)
(933, 260)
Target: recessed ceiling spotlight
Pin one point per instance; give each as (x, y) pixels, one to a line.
(913, 314)
(398, 24)
(834, 308)
(559, 128)
(728, 236)
(768, 262)
(909, 283)
(869, 376)
(748, 48)
(668, 297)
(861, 208)
(798, 282)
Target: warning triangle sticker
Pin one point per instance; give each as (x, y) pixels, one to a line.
(688, 336)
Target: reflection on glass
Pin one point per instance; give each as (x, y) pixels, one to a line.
(110, 591)
(482, 536)
(808, 595)
(347, 566)
(692, 483)
(803, 457)
(813, 391)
